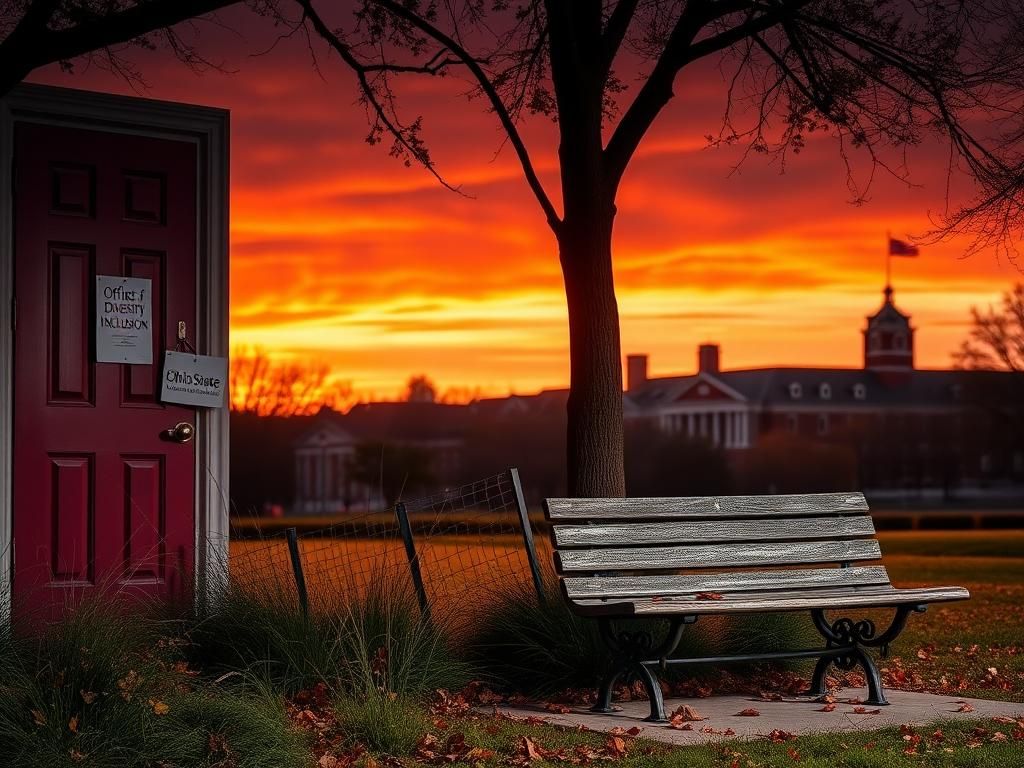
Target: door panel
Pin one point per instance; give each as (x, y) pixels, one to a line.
(71, 277)
(101, 501)
(72, 518)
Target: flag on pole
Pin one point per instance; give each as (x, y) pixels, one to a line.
(901, 248)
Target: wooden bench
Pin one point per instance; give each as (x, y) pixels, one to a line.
(681, 558)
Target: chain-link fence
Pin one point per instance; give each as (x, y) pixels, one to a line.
(455, 551)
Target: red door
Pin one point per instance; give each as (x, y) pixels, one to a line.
(102, 499)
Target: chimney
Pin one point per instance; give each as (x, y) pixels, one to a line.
(707, 358)
(636, 371)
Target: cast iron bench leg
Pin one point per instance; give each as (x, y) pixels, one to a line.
(855, 636)
(631, 650)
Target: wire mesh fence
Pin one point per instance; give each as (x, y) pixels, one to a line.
(456, 551)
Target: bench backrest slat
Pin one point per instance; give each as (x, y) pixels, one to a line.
(717, 555)
(705, 531)
(810, 504)
(581, 587)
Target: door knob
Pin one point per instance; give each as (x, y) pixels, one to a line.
(181, 432)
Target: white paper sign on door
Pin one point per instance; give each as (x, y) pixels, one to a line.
(124, 320)
(191, 379)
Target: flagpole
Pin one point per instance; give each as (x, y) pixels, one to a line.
(888, 259)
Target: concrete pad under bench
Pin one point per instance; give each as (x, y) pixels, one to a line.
(799, 716)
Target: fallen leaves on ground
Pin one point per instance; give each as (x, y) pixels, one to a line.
(454, 749)
(681, 718)
(527, 750)
(618, 730)
(128, 684)
(158, 707)
(318, 697)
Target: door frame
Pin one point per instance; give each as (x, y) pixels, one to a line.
(208, 129)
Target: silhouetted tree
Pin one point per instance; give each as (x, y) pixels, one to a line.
(420, 389)
(869, 74)
(396, 470)
(34, 33)
(996, 339)
(785, 463)
(994, 350)
(268, 387)
(531, 439)
(263, 460)
(659, 464)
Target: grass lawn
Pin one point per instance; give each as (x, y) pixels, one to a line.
(974, 648)
(464, 738)
(967, 649)
(254, 684)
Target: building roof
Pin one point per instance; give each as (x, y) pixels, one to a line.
(392, 422)
(888, 313)
(772, 387)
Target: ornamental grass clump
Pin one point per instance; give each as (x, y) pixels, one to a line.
(536, 647)
(266, 635)
(395, 660)
(103, 687)
(389, 645)
(541, 648)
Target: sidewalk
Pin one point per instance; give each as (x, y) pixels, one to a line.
(798, 716)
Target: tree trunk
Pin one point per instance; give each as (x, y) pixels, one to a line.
(595, 433)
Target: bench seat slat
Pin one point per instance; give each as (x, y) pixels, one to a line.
(699, 531)
(577, 587)
(753, 602)
(718, 555)
(808, 504)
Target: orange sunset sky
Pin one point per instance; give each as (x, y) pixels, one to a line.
(342, 254)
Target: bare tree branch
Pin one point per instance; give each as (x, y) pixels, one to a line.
(615, 30)
(488, 89)
(37, 44)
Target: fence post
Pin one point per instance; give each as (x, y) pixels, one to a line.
(300, 578)
(524, 520)
(414, 561)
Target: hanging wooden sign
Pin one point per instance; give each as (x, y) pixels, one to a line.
(191, 379)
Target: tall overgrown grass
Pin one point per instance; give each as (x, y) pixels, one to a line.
(374, 637)
(540, 647)
(107, 688)
(536, 647)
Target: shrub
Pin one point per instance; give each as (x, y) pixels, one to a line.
(543, 648)
(537, 647)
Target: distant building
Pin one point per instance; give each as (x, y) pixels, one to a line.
(331, 477)
(905, 430)
(909, 427)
